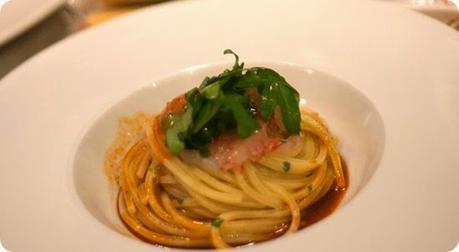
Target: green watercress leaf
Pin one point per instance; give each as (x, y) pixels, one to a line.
(175, 135)
(288, 102)
(212, 91)
(246, 124)
(268, 101)
(207, 112)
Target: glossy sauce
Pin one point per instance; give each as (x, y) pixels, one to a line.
(327, 204)
(312, 214)
(321, 208)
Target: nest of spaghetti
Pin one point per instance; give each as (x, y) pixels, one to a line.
(232, 162)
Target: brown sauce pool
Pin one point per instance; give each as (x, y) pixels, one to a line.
(327, 204)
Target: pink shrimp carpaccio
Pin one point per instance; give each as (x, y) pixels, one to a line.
(230, 152)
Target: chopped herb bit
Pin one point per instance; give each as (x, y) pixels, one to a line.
(286, 166)
(309, 174)
(180, 201)
(310, 188)
(153, 169)
(217, 222)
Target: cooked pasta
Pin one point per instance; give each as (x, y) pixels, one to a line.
(189, 201)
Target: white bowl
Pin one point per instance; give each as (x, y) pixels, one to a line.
(348, 113)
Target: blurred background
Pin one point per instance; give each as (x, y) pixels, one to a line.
(72, 16)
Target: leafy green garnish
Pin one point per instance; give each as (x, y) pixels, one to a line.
(175, 135)
(310, 188)
(217, 222)
(207, 112)
(275, 91)
(212, 91)
(222, 103)
(246, 124)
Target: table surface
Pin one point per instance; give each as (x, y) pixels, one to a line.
(69, 19)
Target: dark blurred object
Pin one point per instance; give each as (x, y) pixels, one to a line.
(57, 26)
(73, 17)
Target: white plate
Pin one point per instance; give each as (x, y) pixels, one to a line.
(404, 63)
(350, 116)
(18, 15)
